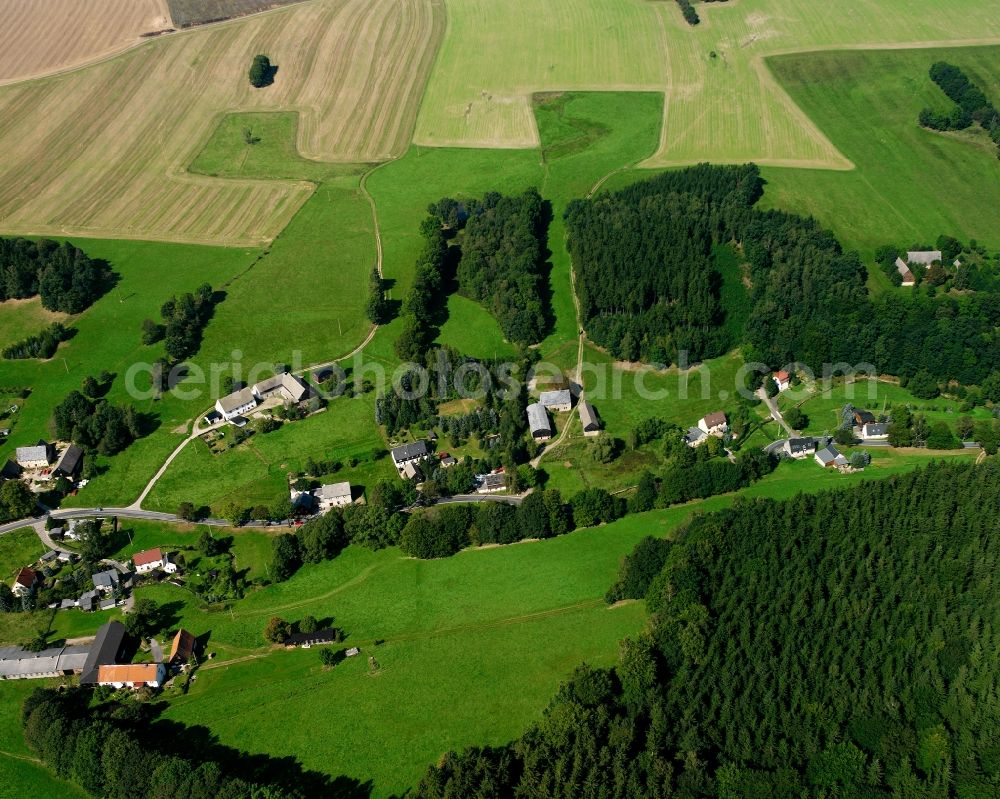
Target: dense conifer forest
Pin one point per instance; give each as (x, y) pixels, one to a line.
(503, 262)
(831, 645)
(61, 274)
(648, 288)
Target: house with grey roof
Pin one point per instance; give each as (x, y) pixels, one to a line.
(413, 453)
(588, 419)
(335, 495)
(538, 422)
(905, 273)
(236, 404)
(491, 483)
(36, 457)
(875, 431)
(557, 401)
(106, 581)
(87, 601)
(799, 448)
(695, 437)
(19, 664)
(830, 457)
(286, 385)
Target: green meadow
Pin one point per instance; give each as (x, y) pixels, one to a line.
(17, 549)
(823, 405)
(909, 184)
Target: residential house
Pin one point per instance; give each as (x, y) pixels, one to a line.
(61, 661)
(153, 559)
(829, 457)
(49, 557)
(538, 422)
(236, 404)
(409, 453)
(904, 272)
(799, 447)
(923, 257)
(182, 648)
(306, 640)
(69, 462)
(588, 418)
(491, 483)
(286, 385)
(447, 462)
(336, 495)
(107, 581)
(106, 649)
(695, 437)
(132, 675)
(36, 457)
(861, 418)
(875, 431)
(782, 380)
(715, 424)
(87, 601)
(411, 471)
(25, 582)
(557, 401)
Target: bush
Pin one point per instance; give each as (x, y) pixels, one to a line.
(277, 630)
(261, 72)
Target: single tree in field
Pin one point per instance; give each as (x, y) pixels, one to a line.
(261, 72)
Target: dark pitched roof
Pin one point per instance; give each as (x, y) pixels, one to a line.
(70, 460)
(327, 636)
(407, 452)
(801, 444)
(864, 417)
(105, 650)
(182, 647)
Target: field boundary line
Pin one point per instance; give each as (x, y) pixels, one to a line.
(152, 40)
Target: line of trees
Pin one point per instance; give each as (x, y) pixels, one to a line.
(120, 750)
(40, 345)
(835, 644)
(378, 308)
(687, 9)
(971, 104)
(424, 304)
(503, 262)
(60, 274)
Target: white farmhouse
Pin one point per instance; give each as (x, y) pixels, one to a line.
(714, 424)
(336, 495)
(236, 404)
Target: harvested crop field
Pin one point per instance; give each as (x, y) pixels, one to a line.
(722, 104)
(103, 151)
(39, 37)
(186, 13)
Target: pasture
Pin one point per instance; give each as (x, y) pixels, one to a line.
(823, 406)
(19, 548)
(911, 184)
(104, 150)
(149, 274)
(722, 104)
(45, 36)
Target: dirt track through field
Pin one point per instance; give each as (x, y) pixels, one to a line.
(39, 37)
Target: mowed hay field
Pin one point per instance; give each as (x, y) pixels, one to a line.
(41, 36)
(104, 150)
(725, 107)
